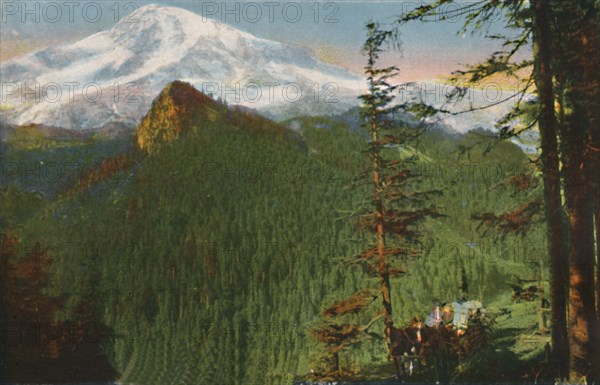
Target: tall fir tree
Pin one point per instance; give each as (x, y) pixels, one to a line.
(395, 210)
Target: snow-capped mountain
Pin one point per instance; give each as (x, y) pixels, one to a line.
(479, 108)
(114, 75)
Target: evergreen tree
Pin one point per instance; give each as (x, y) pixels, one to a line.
(566, 57)
(577, 59)
(396, 207)
(548, 127)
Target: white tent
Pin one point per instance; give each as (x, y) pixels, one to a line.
(463, 311)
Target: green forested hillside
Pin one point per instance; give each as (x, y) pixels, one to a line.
(210, 260)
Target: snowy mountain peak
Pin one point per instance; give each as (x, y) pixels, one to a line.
(159, 44)
(170, 27)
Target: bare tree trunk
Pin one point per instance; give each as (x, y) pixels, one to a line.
(591, 64)
(577, 61)
(582, 311)
(383, 267)
(552, 193)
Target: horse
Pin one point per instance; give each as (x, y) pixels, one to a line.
(439, 343)
(418, 343)
(406, 347)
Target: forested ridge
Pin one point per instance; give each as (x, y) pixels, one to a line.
(210, 259)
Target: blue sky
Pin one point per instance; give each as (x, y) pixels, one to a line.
(334, 30)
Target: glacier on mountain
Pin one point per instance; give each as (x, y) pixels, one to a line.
(83, 85)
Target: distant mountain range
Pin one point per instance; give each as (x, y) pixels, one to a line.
(107, 82)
